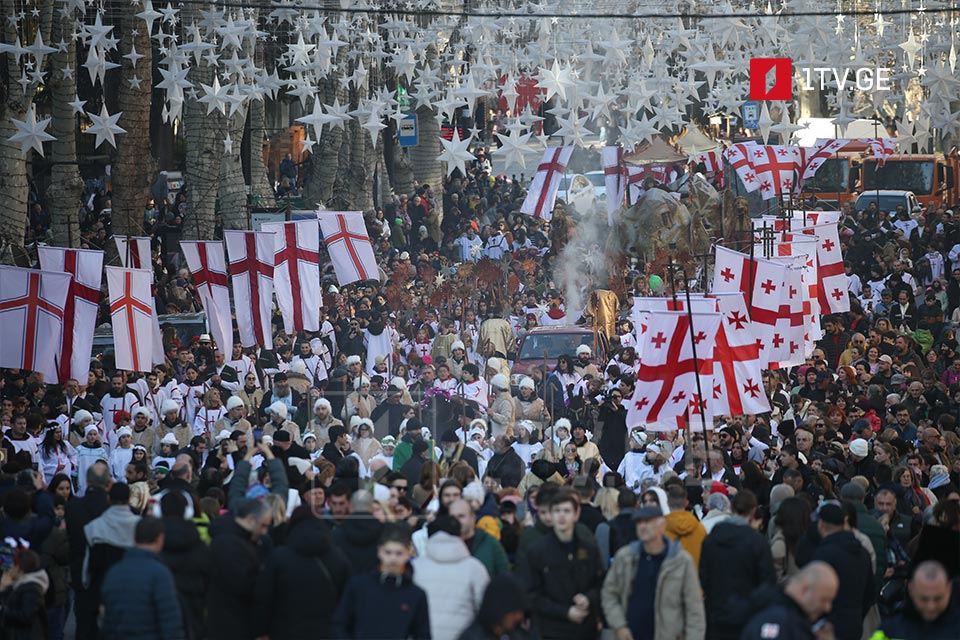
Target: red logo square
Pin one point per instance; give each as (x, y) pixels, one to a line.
(782, 88)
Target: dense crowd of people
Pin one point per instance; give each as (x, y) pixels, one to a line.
(389, 477)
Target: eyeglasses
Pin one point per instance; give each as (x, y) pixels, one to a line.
(399, 487)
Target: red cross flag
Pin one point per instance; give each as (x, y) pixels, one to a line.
(823, 149)
(789, 335)
(133, 318)
(31, 306)
(251, 270)
(134, 252)
(735, 271)
(737, 387)
(612, 158)
(543, 190)
(643, 305)
(348, 244)
(662, 173)
(80, 311)
(296, 275)
(667, 380)
(738, 155)
(777, 168)
(804, 246)
(833, 281)
(712, 161)
(882, 148)
(208, 267)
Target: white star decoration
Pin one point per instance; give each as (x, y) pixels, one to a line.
(105, 127)
(30, 133)
(455, 153)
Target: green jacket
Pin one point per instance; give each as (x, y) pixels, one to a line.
(489, 551)
(404, 452)
(871, 527)
(678, 604)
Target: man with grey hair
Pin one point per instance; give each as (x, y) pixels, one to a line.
(718, 510)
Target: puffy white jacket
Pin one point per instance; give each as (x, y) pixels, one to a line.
(454, 582)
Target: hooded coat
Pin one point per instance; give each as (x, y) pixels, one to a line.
(843, 552)
(684, 527)
(186, 556)
(308, 563)
(733, 543)
(23, 615)
(454, 582)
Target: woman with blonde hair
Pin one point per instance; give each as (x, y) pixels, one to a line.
(366, 445)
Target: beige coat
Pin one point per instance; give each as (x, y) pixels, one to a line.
(534, 411)
(321, 430)
(502, 414)
(678, 603)
(358, 405)
(495, 333)
(271, 428)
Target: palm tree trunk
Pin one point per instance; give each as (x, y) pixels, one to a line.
(13, 167)
(66, 188)
(261, 192)
(233, 190)
(323, 185)
(134, 169)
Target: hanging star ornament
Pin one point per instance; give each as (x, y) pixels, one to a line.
(455, 153)
(512, 147)
(105, 127)
(30, 133)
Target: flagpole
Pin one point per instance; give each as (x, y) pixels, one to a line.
(696, 365)
(671, 269)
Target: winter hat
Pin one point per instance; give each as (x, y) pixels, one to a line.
(169, 439)
(141, 411)
(81, 416)
(474, 491)
(562, 423)
(859, 448)
(584, 349)
(89, 428)
(457, 344)
(500, 381)
(449, 436)
(298, 366)
(300, 464)
(309, 435)
(267, 439)
(234, 402)
(388, 441)
(123, 431)
(168, 406)
(322, 402)
(353, 360)
(280, 409)
(526, 382)
(223, 435)
(399, 383)
(359, 381)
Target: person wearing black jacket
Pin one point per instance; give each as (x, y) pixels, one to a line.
(792, 613)
(308, 563)
(505, 465)
(734, 543)
(842, 551)
(563, 574)
(454, 451)
(80, 512)
(186, 556)
(235, 556)
(358, 533)
(281, 391)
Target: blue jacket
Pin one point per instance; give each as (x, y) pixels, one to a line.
(140, 599)
(376, 606)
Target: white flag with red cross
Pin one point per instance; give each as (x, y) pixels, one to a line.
(762, 284)
(251, 272)
(348, 244)
(882, 148)
(208, 266)
(777, 169)
(542, 194)
(83, 303)
(822, 150)
(832, 292)
(635, 175)
(643, 305)
(132, 318)
(296, 275)
(667, 380)
(737, 387)
(712, 161)
(790, 335)
(738, 155)
(134, 252)
(31, 313)
(802, 245)
(612, 158)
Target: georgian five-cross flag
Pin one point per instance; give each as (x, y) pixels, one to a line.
(348, 244)
(543, 190)
(643, 305)
(762, 284)
(296, 275)
(833, 280)
(132, 317)
(208, 266)
(31, 313)
(737, 371)
(80, 311)
(789, 337)
(667, 380)
(251, 271)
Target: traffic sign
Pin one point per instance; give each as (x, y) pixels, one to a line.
(751, 114)
(408, 131)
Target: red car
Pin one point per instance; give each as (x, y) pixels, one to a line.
(549, 343)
